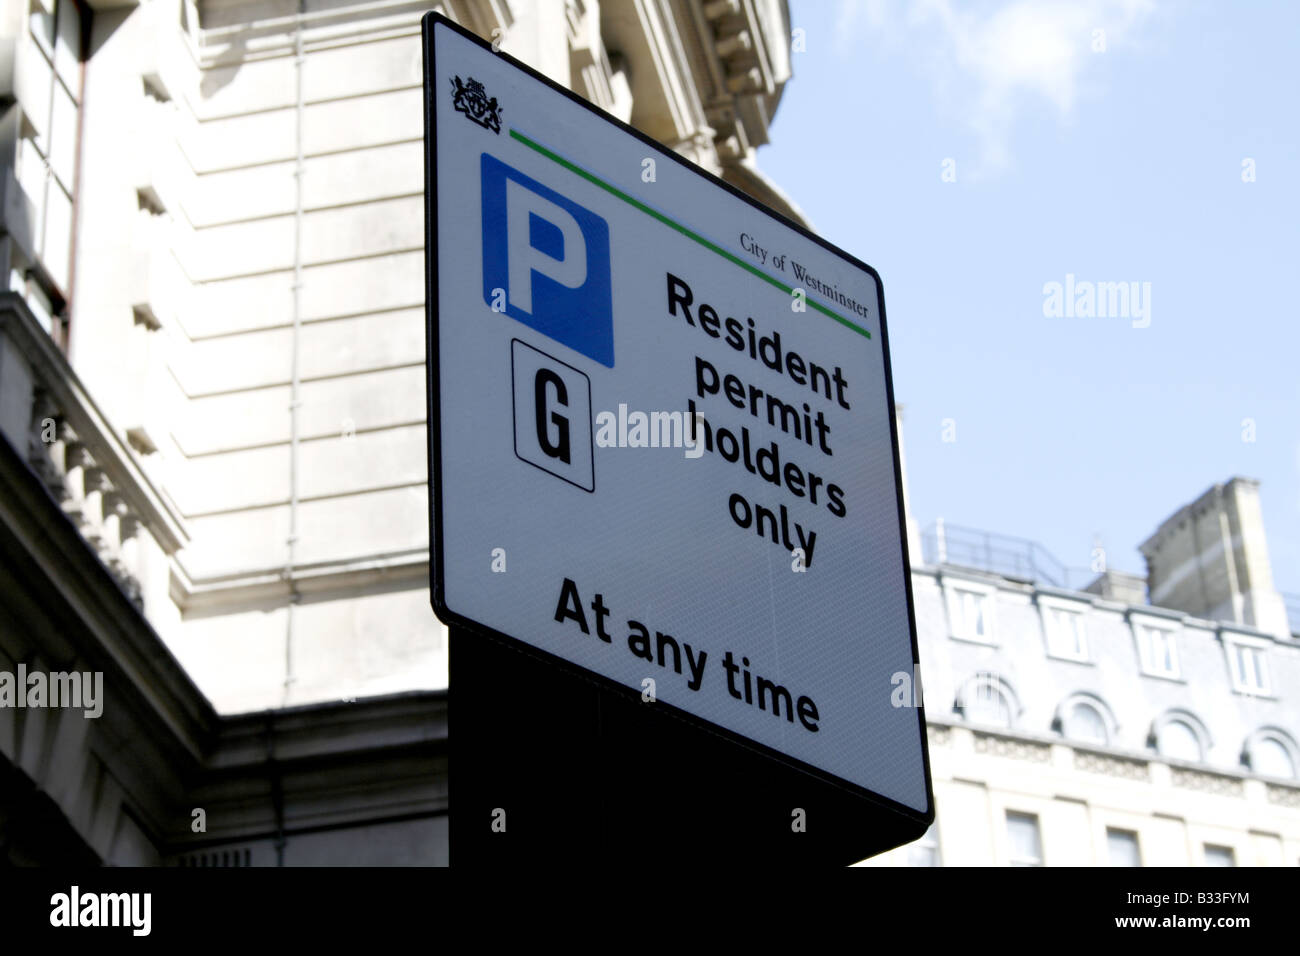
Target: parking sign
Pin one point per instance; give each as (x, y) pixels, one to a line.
(661, 431)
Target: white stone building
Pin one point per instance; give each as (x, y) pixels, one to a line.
(212, 367)
(1084, 726)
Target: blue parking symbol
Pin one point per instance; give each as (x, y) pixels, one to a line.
(549, 258)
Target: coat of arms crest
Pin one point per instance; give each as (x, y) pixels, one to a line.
(471, 99)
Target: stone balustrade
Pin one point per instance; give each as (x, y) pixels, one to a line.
(88, 468)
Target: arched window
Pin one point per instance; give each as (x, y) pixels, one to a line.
(1272, 753)
(1178, 740)
(989, 706)
(1084, 722)
(987, 699)
(1086, 718)
(1270, 758)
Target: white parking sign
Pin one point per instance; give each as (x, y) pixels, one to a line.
(662, 440)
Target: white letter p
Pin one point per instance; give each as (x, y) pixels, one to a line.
(570, 270)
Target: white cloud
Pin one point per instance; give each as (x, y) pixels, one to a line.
(991, 61)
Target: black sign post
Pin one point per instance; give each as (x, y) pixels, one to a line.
(546, 765)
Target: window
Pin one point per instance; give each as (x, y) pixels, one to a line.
(46, 153)
(970, 609)
(925, 851)
(1177, 739)
(985, 702)
(1271, 758)
(1157, 650)
(1085, 722)
(1122, 846)
(1249, 666)
(1219, 855)
(1025, 848)
(1066, 636)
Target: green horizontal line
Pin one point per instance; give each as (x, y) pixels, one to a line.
(677, 226)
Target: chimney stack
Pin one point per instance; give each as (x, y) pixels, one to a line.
(1210, 559)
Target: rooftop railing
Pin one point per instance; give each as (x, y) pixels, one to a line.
(943, 543)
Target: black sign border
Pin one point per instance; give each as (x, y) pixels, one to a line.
(429, 22)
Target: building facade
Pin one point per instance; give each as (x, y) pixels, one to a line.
(212, 385)
(1085, 726)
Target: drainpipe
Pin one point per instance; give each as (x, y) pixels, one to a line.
(277, 789)
(295, 400)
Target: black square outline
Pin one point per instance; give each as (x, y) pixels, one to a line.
(515, 431)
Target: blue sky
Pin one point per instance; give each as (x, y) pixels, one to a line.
(1124, 164)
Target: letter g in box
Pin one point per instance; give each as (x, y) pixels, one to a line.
(551, 258)
(552, 415)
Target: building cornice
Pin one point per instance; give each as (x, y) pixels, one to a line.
(55, 377)
(206, 594)
(162, 743)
